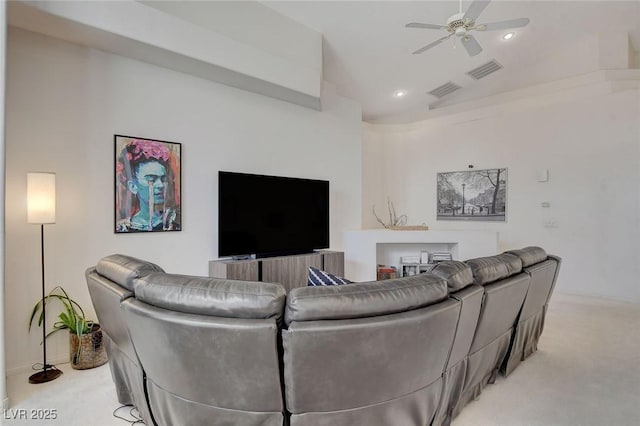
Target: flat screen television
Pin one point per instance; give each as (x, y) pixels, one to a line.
(271, 215)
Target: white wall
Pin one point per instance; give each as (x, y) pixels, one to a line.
(64, 104)
(588, 138)
(4, 401)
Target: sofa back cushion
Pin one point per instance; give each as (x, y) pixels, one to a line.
(374, 370)
(457, 274)
(542, 276)
(530, 255)
(493, 268)
(201, 367)
(502, 302)
(366, 299)
(124, 270)
(211, 296)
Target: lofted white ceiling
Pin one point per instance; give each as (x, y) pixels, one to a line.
(368, 51)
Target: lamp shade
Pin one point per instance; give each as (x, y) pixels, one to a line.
(41, 197)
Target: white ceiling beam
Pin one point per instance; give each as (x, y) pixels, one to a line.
(132, 29)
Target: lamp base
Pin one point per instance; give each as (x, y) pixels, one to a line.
(44, 376)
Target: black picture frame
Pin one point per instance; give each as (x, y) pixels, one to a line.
(473, 195)
(148, 185)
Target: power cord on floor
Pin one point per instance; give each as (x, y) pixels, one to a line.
(40, 366)
(133, 412)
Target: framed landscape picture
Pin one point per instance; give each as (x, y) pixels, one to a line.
(479, 195)
(147, 185)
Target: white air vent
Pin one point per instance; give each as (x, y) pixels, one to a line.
(484, 70)
(444, 90)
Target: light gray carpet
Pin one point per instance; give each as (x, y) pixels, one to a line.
(586, 372)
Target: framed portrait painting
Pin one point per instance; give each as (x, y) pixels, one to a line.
(476, 195)
(147, 185)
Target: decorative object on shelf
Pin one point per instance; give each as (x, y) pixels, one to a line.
(409, 259)
(147, 185)
(394, 219)
(409, 269)
(85, 336)
(397, 223)
(425, 262)
(41, 209)
(478, 195)
(440, 256)
(386, 272)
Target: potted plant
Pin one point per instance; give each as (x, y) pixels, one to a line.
(85, 336)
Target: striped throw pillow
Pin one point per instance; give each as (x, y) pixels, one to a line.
(317, 277)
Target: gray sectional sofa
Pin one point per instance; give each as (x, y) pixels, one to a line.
(409, 351)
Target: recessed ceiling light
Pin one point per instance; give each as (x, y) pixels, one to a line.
(399, 93)
(508, 36)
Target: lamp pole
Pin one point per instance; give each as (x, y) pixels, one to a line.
(41, 209)
(463, 185)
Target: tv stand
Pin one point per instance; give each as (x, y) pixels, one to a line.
(290, 271)
(243, 257)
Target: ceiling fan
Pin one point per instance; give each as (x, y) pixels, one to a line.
(461, 24)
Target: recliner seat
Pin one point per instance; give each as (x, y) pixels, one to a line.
(505, 288)
(209, 348)
(111, 282)
(459, 279)
(543, 272)
(367, 353)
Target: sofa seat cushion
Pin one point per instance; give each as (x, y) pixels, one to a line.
(457, 274)
(530, 255)
(493, 268)
(211, 296)
(124, 270)
(366, 299)
(317, 277)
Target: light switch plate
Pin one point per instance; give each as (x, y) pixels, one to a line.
(542, 175)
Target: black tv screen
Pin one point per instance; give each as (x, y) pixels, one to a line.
(271, 215)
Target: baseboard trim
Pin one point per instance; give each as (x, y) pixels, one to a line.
(28, 368)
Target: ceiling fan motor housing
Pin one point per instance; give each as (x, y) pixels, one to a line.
(458, 25)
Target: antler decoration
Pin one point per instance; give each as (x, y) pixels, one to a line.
(394, 220)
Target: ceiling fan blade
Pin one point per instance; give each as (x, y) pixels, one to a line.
(430, 45)
(503, 25)
(471, 44)
(427, 26)
(475, 9)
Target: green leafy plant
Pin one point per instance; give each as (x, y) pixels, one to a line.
(72, 316)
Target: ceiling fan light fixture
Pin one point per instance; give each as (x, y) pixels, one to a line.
(399, 93)
(463, 23)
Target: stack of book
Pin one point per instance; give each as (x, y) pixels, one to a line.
(386, 272)
(440, 256)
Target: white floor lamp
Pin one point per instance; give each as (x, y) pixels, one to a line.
(41, 209)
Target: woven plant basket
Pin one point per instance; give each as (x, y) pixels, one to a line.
(92, 352)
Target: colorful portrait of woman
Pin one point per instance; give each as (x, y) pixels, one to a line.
(147, 178)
